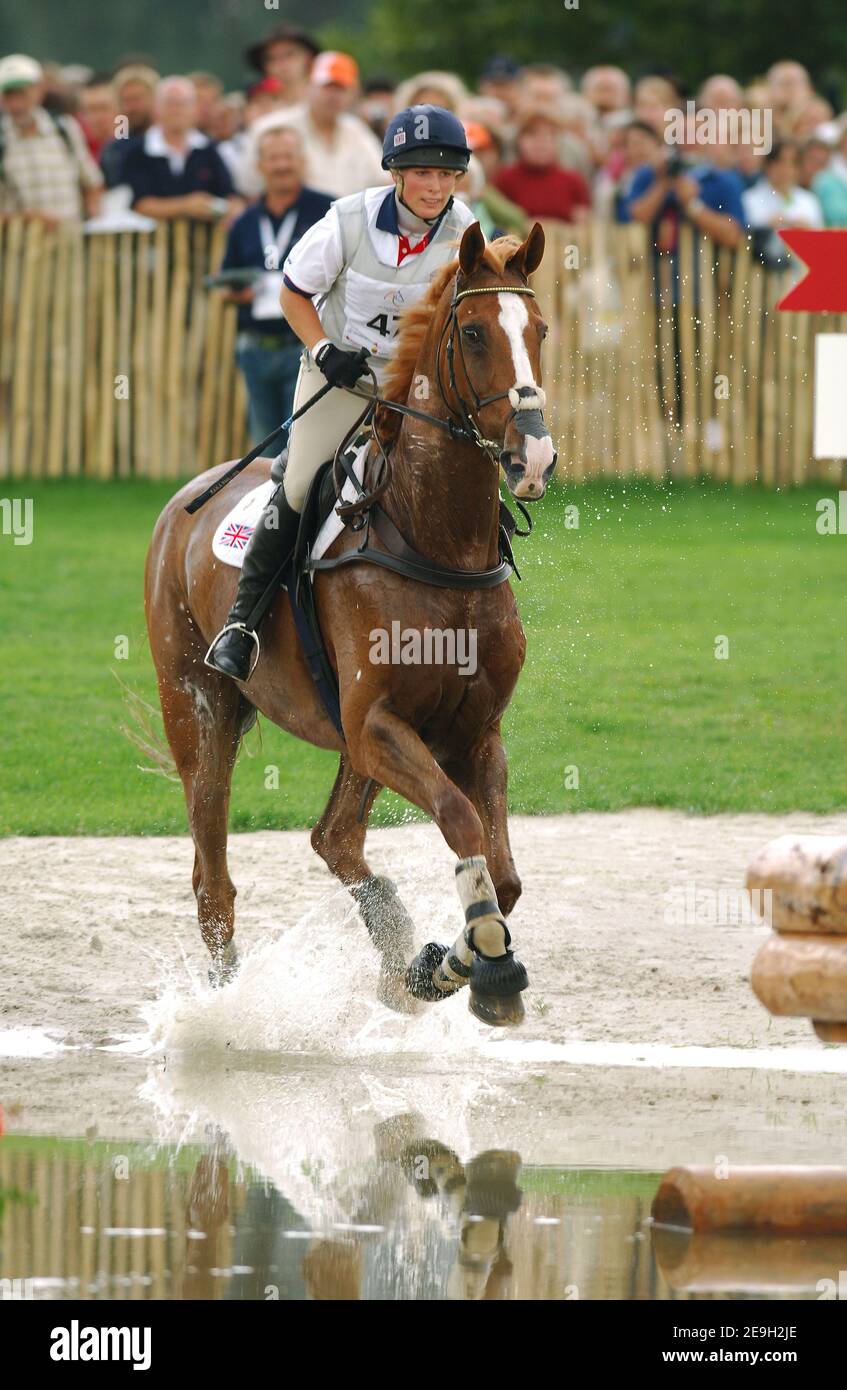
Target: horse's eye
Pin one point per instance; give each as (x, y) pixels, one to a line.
(543, 330)
(471, 333)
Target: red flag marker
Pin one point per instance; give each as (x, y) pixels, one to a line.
(824, 289)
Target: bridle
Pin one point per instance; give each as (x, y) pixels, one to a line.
(526, 409)
(470, 426)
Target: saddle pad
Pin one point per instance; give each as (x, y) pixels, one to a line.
(233, 533)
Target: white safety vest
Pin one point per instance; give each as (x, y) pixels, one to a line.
(349, 266)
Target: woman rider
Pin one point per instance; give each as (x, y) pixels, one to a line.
(345, 284)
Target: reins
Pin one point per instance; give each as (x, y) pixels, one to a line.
(466, 429)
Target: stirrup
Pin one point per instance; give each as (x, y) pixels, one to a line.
(234, 627)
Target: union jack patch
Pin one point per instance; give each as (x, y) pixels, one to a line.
(236, 536)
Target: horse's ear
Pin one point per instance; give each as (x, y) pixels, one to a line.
(471, 249)
(527, 258)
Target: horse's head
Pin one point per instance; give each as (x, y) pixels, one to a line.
(493, 355)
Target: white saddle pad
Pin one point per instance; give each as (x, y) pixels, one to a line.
(233, 533)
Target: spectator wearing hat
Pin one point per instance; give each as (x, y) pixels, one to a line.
(286, 55)
(500, 79)
(267, 349)
(434, 88)
(46, 170)
(342, 155)
(537, 182)
(173, 169)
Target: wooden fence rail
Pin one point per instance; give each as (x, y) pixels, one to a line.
(114, 361)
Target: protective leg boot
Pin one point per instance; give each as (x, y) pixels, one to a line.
(235, 650)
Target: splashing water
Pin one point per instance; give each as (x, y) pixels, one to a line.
(311, 990)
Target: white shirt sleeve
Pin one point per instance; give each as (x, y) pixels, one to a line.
(316, 261)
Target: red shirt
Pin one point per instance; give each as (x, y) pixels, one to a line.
(548, 191)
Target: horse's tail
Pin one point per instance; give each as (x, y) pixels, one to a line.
(145, 731)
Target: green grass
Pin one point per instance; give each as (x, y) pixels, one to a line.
(621, 679)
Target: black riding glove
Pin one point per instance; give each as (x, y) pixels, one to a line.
(341, 368)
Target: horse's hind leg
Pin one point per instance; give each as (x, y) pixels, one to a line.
(339, 838)
(205, 715)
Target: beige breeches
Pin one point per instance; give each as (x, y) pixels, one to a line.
(315, 437)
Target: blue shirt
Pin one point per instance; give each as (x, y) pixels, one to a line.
(720, 190)
(244, 249)
(151, 176)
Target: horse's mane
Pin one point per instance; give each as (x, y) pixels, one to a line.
(414, 326)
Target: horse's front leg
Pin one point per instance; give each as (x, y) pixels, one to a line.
(384, 747)
(482, 776)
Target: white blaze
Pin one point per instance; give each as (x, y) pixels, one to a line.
(513, 319)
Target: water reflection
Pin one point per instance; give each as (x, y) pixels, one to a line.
(411, 1219)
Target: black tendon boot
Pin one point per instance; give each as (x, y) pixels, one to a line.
(268, 549)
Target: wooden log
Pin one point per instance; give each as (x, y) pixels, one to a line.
(802, 977)
(782, 1199)
(807, 879)
(705, 1263)
(830, 1032)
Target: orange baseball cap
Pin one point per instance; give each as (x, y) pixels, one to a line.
(478, 137)
(335, 67)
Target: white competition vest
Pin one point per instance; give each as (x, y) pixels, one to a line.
(363, 307)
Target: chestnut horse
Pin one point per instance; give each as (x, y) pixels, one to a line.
(431, 732)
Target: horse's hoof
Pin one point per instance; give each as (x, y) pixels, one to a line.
(496, 987)
(425, 979)
(224, 967)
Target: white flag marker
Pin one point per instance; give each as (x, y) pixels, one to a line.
(830, 396)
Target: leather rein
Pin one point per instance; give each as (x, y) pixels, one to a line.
(366, 511)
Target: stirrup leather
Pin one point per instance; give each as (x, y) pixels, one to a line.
(235, 627)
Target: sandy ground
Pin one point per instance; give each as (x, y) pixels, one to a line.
(100, 944)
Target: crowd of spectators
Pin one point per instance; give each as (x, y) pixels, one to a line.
(130, 147)
(75, 142)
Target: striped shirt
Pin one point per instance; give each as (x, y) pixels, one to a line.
(40, 173)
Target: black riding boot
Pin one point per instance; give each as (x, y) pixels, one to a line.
(267, 550)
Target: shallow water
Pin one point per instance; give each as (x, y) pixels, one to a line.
(407, 1219)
